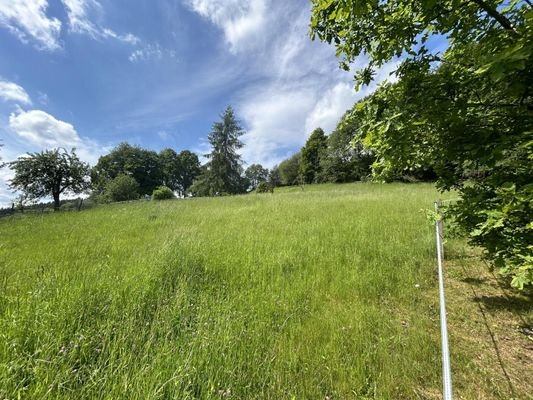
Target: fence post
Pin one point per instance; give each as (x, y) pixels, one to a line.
(446, 368)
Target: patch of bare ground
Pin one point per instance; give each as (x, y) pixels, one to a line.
(490, 327)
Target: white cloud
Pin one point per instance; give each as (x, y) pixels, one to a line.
(10, 91)
(40, 130)
(330, 107)
(275, 117)
(28, 21)
(239, 20)
(6, 196)
(78, 12)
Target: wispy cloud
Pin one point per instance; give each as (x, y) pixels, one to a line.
(150, 52)
(29, 22)
(78, 12)
(298, 87)
(239, 20)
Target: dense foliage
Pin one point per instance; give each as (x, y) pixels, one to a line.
(50, 173)
(141, 164)
(148, 168)
(342, 161)
(122, 188)
(264, 187)
(255, 174)
(289, 170)
(179, 170)
(163, 193)
(466, 114)
(312, 152)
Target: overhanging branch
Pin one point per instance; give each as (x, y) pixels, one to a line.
(494, 13)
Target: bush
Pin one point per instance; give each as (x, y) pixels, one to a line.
(163, 193)
(122, 188)
(264, 187)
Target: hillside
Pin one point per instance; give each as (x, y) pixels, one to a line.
(326, 293)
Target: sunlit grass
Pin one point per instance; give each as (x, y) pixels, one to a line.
(314, 294)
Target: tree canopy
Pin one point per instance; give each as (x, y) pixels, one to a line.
(50, 173)
(310, 168)
(122, 188)
(141, 164)
(189, 169)
(342, 161)
(256, 174)
(289, 170)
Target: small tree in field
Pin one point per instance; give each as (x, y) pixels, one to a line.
(122, 188)
(50, 173)
(163, 193)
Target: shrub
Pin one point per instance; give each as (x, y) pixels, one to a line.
(163, 193)
(264, 187)
(122, 188)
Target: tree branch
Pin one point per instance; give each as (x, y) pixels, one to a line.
(493, 12)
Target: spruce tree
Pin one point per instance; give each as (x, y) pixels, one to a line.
(224, 168)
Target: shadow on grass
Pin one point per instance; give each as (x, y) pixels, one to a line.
(508, 303)
(491, 333)
(474, 281)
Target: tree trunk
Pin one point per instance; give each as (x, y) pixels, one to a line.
(57, 203)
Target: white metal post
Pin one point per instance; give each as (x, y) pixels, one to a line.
(446, 369)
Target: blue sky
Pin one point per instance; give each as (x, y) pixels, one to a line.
(93, 73)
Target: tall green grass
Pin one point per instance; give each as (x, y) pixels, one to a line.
(308, 294)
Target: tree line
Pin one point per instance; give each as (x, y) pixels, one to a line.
(337, 158)
(130, 172)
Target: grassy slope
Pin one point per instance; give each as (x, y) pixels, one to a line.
(293, 295)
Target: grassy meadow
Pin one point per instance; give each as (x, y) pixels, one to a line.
(327, 293)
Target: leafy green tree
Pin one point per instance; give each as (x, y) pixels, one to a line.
(163, 193)
(122, 188)
(222, 174)
(50, 173)
(188, 171)
(467, 113)
(343, 161)
(179, 170)
(310, 168)
(274, 177)
(289, 170)
(143, 165)
(255, 174)
(204, 185)
(170, 168)
(264, 187)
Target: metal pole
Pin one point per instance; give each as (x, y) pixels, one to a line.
(446, 369)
